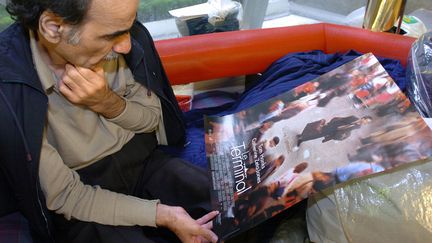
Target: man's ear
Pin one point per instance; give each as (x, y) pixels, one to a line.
(51, 26)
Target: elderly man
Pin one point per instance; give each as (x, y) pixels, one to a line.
(85, 101)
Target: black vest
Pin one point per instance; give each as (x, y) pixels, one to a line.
(23, 108)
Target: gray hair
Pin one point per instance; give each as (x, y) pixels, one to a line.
(74, 36)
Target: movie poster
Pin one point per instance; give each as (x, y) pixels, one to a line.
(350, 122)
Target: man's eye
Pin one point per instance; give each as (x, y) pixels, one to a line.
(112, 37)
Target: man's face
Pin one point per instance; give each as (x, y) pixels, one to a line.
(271, 144)
(104, 31)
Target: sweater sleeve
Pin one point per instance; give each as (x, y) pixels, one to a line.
(66, 194)
(142, 112)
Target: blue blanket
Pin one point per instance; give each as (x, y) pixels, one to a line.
(283, 75)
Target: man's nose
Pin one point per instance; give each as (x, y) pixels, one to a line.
(123, 44)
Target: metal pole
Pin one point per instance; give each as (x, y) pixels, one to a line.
(401, 14)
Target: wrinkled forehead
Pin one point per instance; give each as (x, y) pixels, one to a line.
(114, 13)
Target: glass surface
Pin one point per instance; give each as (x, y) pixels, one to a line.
(153, 10)
(154, 13)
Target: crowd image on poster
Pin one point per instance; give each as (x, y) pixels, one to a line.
(348, 123)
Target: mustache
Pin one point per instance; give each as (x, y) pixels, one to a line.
(111, 56)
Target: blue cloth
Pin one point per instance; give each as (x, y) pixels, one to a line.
(353, 169)
(283, 75)
(213, 98)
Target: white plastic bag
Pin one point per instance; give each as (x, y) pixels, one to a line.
(419, 74)
(221, 9)
(392, 207)
(209, 17)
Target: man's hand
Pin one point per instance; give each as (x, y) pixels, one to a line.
(186, 228)
(89, 88)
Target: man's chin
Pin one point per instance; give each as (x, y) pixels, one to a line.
(93, 66)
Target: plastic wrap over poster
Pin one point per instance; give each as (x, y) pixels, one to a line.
(348, 123)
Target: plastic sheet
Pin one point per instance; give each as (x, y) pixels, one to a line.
(390, 207)
(419, 74)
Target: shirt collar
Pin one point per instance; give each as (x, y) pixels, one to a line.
(46, 76)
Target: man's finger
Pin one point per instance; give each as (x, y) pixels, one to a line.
(197, 239)
(208, 225)
(72, 71)
(99, 70)
(90, 74)
(71, 84)
(69, 94)
(204, 219)
(208, 235)
(74, 75)
(84, 71)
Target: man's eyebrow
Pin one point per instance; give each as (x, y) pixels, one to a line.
(120, 32)
(115, 34)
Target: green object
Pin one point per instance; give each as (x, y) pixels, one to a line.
(5, 19)
(409, 19)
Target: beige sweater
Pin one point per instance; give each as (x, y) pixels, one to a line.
(76, 137)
